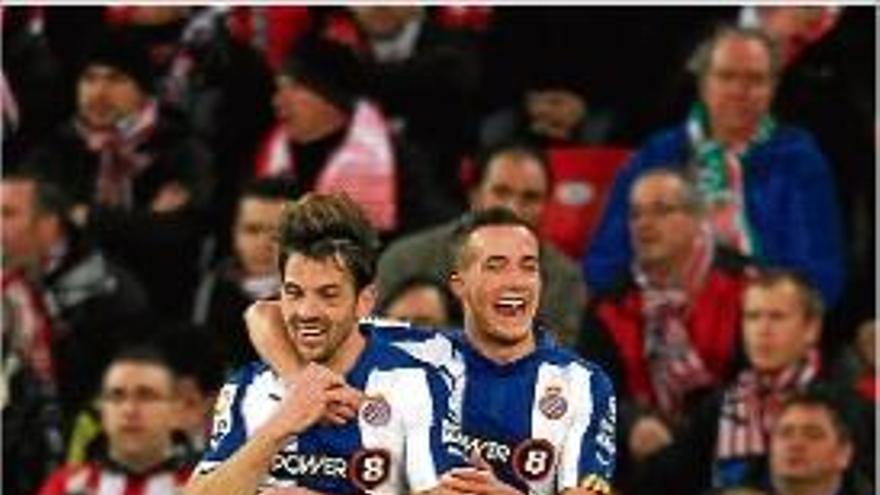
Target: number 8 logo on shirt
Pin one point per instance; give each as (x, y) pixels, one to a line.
(534, 459)
(369, 468)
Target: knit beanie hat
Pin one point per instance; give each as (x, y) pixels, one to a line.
(122, 52)
(328, 68)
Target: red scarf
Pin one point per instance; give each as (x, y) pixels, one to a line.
(751, 406)
(363, 166)
(120, 160)
(27, 317)
(675, 367)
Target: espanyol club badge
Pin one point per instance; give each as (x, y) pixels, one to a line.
(376, 411)
(553, 404)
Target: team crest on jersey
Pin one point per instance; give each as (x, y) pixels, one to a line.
(534, 459)
(369, 468)
(553, 404)
(376, 411)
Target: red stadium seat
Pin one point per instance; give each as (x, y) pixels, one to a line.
(582, 178)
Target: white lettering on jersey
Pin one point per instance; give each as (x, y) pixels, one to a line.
(489, 450)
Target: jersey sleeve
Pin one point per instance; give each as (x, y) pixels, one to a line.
(228, 431)
(427, 454)
(589, 451)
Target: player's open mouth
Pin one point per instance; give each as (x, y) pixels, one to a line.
(510, 305)
(310, 332)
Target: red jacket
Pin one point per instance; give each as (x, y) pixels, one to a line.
(713, 325)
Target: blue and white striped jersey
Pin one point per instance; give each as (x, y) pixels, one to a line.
(545, 422)
(394, 446)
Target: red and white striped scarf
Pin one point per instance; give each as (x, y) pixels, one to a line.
(363, 166)
(120, 160)
(751, 406)
(94, 478)
(675, 366)
(26, 314)
(8, 105)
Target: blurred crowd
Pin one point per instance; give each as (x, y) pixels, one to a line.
(703, 180)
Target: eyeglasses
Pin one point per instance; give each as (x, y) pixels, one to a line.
(655, 210)
(139, 395)
(748, 78)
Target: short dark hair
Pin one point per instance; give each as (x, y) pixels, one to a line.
(701, 59)
(453, 308)
(472, 221)
(143, 353)
(770, 276)
(513, 147)
(49, 198)
(827, 399)
(324, 225)
(269, 188)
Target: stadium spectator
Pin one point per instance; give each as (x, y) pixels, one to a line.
(197, 381)
(426, 78)
(31, 83)
(782, 321)
(249, 274)
(514, 176)
(669, 329)
(221, 84)
(138, 177)
(856, 366)
(33, 429)
(769, 189)
(831, 93)
(811, 447)
(137, 413)
(330, 138)
(553, 110)
(424, 302)
(93, 304)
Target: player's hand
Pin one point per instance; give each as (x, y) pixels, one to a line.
(478, 479)
(309, 397)
(344, 410)
(170, 197)
(648, 435)
(266, 330)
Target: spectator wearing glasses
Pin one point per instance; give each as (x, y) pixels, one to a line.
(668, 330)
(138, 407)
(768, 187)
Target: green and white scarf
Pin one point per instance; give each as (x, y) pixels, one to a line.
(721, 180)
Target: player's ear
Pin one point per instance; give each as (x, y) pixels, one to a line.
(456, 284)
(366, 301)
